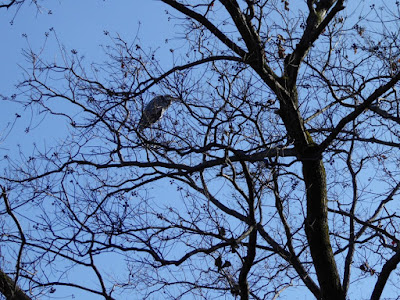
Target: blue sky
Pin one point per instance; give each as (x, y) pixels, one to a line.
(79, 25)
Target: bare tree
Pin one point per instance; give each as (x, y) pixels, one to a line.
(282, 150)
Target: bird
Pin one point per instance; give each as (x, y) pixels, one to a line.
(154, 110)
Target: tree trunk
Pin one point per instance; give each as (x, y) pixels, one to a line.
(316, 225)
(317, 228)
(9, 289)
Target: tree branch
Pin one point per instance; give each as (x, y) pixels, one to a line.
(387, 269)
(358, 111)
(293, 260)
(246, 30)
(316, 23)
(211, 27)
(15, 288)
(9, 289)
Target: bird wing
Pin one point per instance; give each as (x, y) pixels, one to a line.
(151, 114)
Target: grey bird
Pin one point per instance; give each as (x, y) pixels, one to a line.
(154, 110)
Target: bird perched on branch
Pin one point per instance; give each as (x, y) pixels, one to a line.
(154, 110)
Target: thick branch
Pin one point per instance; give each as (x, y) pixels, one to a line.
(278, 204)
(206, 23)
(387, 269)
(239, 156)
(251, 248)
(384, 114)
(9, 4)
(246, 30)
(14, 286)
(9, 289)
(317, 229)
(366, 224)
(293, 260)
(316, 23)
(359, 110)
(352, 239)
(154, 81)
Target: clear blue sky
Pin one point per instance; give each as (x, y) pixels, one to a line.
(79, 25)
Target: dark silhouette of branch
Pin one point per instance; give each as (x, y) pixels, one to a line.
(10, 290)
(387, 269)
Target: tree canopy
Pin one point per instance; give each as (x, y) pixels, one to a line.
(274, 171)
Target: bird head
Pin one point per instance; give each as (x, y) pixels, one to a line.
(168, 99)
